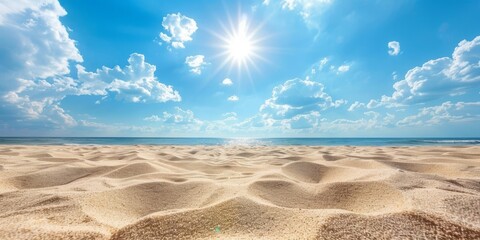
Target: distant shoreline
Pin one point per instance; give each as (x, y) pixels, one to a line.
(181, 141)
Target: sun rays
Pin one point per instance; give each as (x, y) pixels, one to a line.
(240, 45)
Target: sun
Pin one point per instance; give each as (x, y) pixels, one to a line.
(240, 45)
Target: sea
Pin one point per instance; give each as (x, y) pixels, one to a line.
(239, 141)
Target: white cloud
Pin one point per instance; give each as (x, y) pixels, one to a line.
(304, 6)
(101, 99)
(343, 68)
(303, 121)
(314, 122)
(38, 99)
(195, 63)
(323, 62)
(34, 42)
(355, 106)
(233, 98)
(36, 55)
(444, 113)
(179, 29)
(394, 76)
(257, 122)
(153, 118)
(439, 77)
(462, 105)
(393, 48)
(178, 116)
(372, 120)
(230, 116)
(289, 4)
(373, 104)
(465, 65)
(36, 50)
(298, 96)
(227, 82)
(135, 82)
(309, 10)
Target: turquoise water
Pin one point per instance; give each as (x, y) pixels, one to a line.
(239, 141)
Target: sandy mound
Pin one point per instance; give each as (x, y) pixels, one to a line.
(121, 206)
(133, 169)
(55, 176)
(362, 197)
(234, 218)
(239, 192)
(405, 225)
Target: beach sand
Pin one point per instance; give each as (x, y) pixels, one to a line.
(239, 192)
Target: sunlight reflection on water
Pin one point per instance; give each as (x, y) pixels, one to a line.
(247, 142)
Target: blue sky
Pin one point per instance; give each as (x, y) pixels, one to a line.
(259, 68)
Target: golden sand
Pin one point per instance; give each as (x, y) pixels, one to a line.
(239, 192)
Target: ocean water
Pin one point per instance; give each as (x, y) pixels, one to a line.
(239, 141)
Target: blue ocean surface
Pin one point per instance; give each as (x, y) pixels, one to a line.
(239, 141)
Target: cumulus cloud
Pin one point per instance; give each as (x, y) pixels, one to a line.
(465, 64)
(36, 50)
(179, 29)
(444, 113)
(393, 48)
(34, 42)
(447, 76)
(36, 55)
(196, 63)
(40, 99)
(227, 82)
(298, 96)
(135, 82)
(295, 105)
(233, 98)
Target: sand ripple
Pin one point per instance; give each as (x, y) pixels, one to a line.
(239, 192)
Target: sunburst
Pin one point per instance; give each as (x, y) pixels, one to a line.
(240, 45)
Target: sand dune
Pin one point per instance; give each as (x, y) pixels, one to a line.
(239, 192)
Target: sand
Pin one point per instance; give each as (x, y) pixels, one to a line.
(239, 192)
